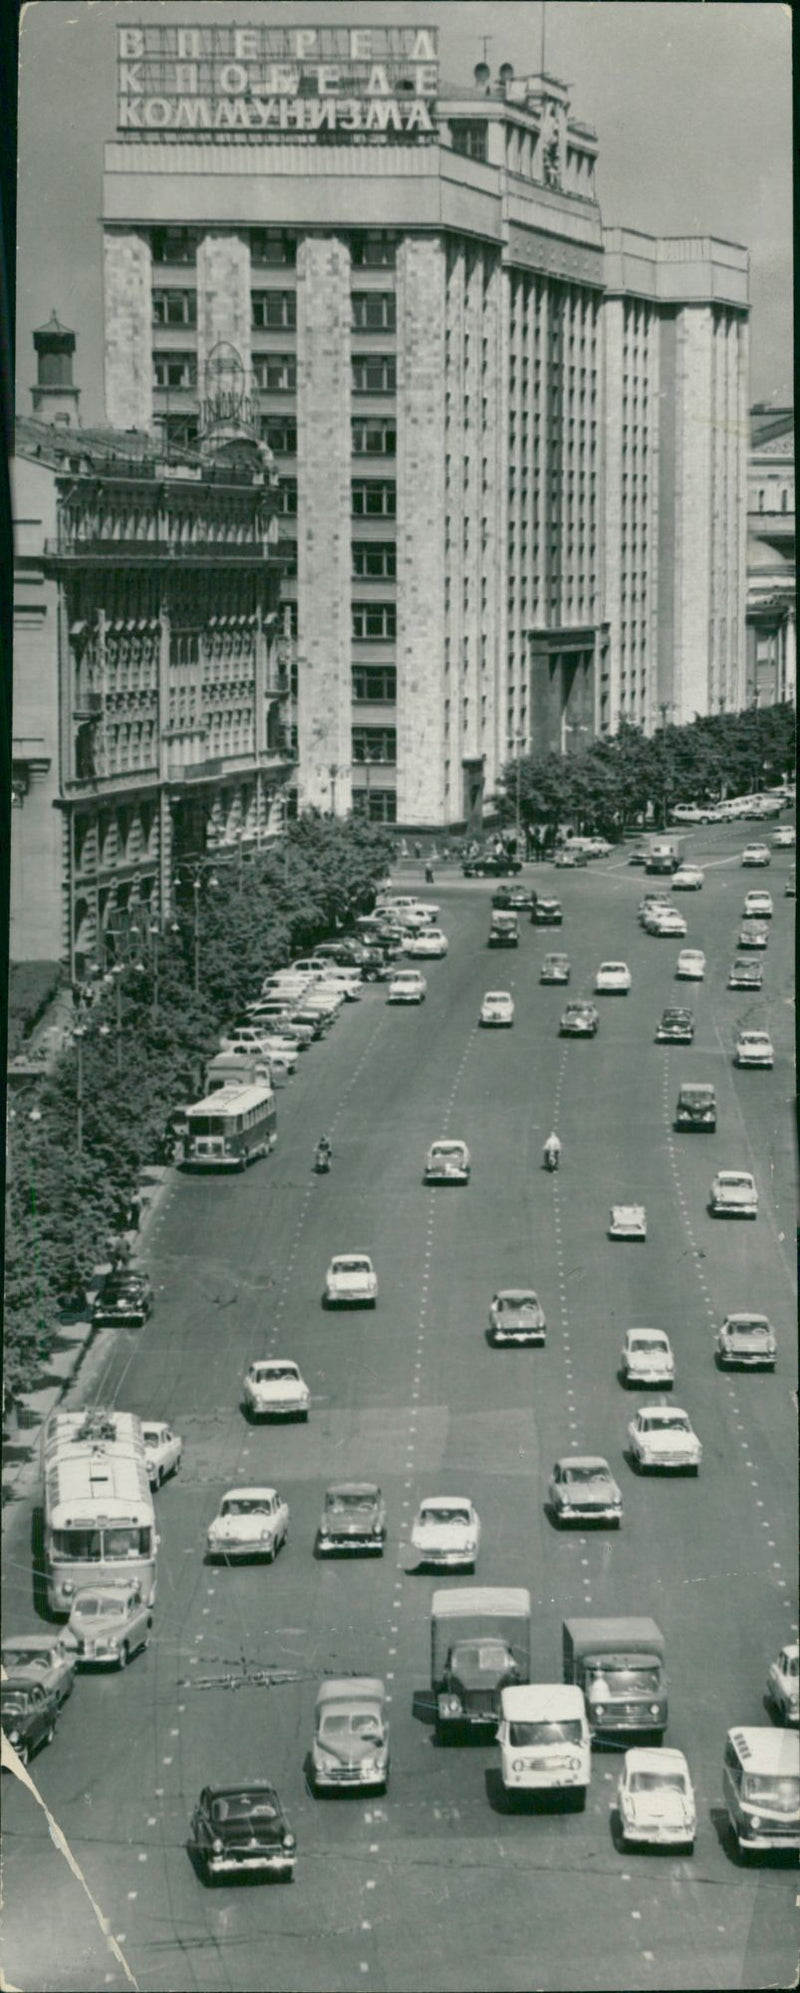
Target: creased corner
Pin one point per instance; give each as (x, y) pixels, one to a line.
(11, 1762)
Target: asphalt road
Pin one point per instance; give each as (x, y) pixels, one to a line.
(434, 1886)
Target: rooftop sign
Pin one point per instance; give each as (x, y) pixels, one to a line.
(336, 83)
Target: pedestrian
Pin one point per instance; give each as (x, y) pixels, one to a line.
(417, 848)
(429, 874)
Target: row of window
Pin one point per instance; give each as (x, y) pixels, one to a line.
(276, 311)
(373, 499)
(371, 744)
(275, 248)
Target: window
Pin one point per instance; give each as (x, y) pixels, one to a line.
(374, 620)
(375, 683)
(174, 245)
(378, 805)
(287, 497)
(272, 311)
(373, 437)
(287, 615)
(276, 373)
(281, 437)
(374, 311)
(272, 246)
(175, 370)
(469, 136)
(374, 560)
(375, 744)
(374, 501)
(179, 431)
(374, 373)
(174, 307)
(375, 249)
(287, 555)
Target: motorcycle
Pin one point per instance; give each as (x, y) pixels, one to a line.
(322, 1158)
(552, 1158)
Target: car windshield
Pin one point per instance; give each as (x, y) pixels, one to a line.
(351, 1265)
(567, 1732)
(90, 1546)
(517, 1304)
(27, 1657)
(728, 1181)
(461, 1517)
(665, 1422)
(749, 1325)
(244, 1806)
(360, 1723)
(753, 1038)
(789, 1663)
(657, 1782)
(14, 1701)
(279, 1373)
(578, 1476)
(447, 1149)
(246, 1505)
(781, 1795)
(100, 1607)
(350, 1504)
(654, 1344)
(697, 1094)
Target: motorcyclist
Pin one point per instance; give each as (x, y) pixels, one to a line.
(552, 1151)
(324, 1148)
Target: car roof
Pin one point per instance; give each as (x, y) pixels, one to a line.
(641, 1329)
(763, 1750)
(19, 1684)
(354, 1253)
(445, 1502)
(259, 1785)
(42, 1642)
(253, 1494)
(662, 1759)
(515, 1294)
(664, 1411)
(268, 1363)
(353, 1488)
(523, 1701)
(493, 995)
(351, 1688)
(593, 1460)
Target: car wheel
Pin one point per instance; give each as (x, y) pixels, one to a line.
(270, 1555)
(124, 1656)
(287, 1875)
(49, 1734)
(23, 1752)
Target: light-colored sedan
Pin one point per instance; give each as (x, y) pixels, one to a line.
(745, 974)
(627, 1221)
(734, 1195)
(430, 941)
(687, 879)
(758, 906)
(753, 934)
(497, 1007)
(109, 1623)
(516, 1316)
(45, 1658)
(351, 1281)
(783, 1682)
(446, 1532)
(691, 965)
(666, 921)
(656, 1800)
(754, 1048)
(583, 1489)
(662, 1437)
(756, 854)
(647, 1358)
(274, 1389)
(163, 1450)
(784, 838)
(746, 1342)
(613, 979)
(250, 1522)
(554, 969)
(447, 1162)
(407, 986)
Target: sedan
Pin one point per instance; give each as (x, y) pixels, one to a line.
(687, 879)
(676, 1027)
(447, 1162)
(516, 1316)
(754, 1048)
(109, 1623)
(241, 1830)
(497, 1007)
(613, 979)
(547, 912)
(579, 1020)
(784, 838)
(746, 1342)
(691, 965)
(446, 1533)
(554, 969)
(274, 1389)
(350, 1750)
(656, 1800)
(44, 1658)
(584, 1490)
(662, 1437)
(756, 854)
(734, 1195)
(753, 934)
(430, 941)
(28, 1713)
(123, 1297)
(353, 1518)
(250, 1522)
(746, 975)
(163, 1450)
(647, 1358)
(407, 986)
(667, 921)
(782, 1684)
(351, 1282)
(519, 899)
(758, 906)
(627, 1221)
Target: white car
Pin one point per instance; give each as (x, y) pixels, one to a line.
(497, 1007)
(554, 969)
(650, 904)
(647, 1358)
(516, 1316)
(782, 1684)
(613, 979)
(447, 1162)
(163, 1450)
(758, 906)
(754, 1048)
(667, 921)
(662, 1436)
(691, 965)
(250, 1522)
(656, 1800)
(348, 983)
(351, 1281)
(274, 1389)
(627, 1221)
(756, 854)
(785, 838)
(405, 903)
(244, 1038)
(429, 941)
(687, 879)
(446, 1532)
(407, 986)
(746, 1342)
(734, 1195)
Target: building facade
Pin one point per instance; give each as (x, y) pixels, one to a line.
(511, 445)
(152, 674)
(771, 559)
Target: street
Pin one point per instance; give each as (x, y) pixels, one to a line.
(435, 1885)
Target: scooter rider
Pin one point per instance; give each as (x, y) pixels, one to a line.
(552, 1151)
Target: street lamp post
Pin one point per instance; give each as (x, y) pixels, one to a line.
(196, 892)
(154, 932)
(79, 1034)
(117, 975)
(516, 742)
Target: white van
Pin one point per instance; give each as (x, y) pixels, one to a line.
(761, 1786)
(544, 1739)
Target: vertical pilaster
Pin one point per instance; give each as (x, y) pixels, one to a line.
(223, 298)
(420, 542)
(324, 447)
(127, 283)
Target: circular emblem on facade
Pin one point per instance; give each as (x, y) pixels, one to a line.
(225, 383)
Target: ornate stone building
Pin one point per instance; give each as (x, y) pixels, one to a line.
(771, 559)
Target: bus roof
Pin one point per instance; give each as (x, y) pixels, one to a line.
(95, 1466)
(232, 1100)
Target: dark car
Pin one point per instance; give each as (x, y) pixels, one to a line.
(676, 1026)
(697, 1106)
(579, 1020)
(29, 1713)
(746, 975)
(353, 1518)
(124, 1297)
(491, 865)
(501, 899)
(241, 1830)
(521, 899)
(547, 911)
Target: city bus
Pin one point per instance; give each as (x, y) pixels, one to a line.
(231, 1127)
(99, 1520)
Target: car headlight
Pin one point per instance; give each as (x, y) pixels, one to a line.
(324, 1529)
(68, 1589)
(377, 1526)
(112, 1641)
(451, 1705)
(289, 1841)
(655, 1709)
(599, 1709)
(216, 1845)
(518, 1765)
(369, 1766)
(13, 1737)
(755, 1821)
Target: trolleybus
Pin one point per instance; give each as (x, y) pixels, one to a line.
(99, 1520)
(231, 1127)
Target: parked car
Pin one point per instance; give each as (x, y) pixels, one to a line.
(275, 1389)
(497, 1007)
(446, 1533)
(46, 1659)
(754, 1048)
(163, 1450)
(647, 1358)
(123, 1297)
(745, 974)
(241, 1830)
(782, 1684)
(555, 969)
(613, 979)
(351, 1747)
(447, 1162)
(627, 1221)
(407, 986)
(676, 1026)
(655, 1800)
(250, 1522)
(789, 890)
(351, 1281)
(582, 1489)
(28, 1714)
(579, 1020)
(691, 965)
(109, 1623)
(353, 1518)
(734, 1195)
(662, 1436)
(746, 1342)
(516, 1316)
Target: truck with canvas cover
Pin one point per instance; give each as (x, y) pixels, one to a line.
(620, 1666)
(480, 1644)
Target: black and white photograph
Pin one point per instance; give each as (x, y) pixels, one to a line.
(399, 1465)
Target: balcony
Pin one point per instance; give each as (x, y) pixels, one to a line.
(88, 706)
(161, 553)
